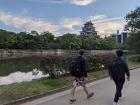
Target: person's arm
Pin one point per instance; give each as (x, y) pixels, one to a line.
(127, 70)
(84, 66)
(109, 71)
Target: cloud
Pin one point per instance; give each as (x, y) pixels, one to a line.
(96, 17)
(82, 2)
(75, 2)
(107, 26)
(70, 23)
(27, 23)
(104, 25)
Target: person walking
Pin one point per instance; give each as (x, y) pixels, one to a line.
(78, 70)
(117, 70)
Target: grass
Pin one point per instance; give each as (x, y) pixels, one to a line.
(133, 64)
(25, 89)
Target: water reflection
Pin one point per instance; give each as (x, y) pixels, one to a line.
(9, 66)
(18, 77)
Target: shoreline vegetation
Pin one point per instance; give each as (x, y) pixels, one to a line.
(16, 91)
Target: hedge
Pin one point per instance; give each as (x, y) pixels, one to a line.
(56, 66)
(135, 58)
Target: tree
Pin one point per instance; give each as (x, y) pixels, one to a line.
(68, 41)
(45, 39)
(133, 25)
(47, 36)
(133, 21)
(133, 42)
(7, 39)
(94, 43)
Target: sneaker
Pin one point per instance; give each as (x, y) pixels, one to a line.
(90, 95)
(121, 98)
(115, 103)
(72, 101)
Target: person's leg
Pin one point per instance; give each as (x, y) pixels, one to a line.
(72, 99)
(118, 91)
(121, 86)
(82, 82)
(85, 90)
(73, 92)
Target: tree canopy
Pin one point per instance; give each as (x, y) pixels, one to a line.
(133, 25)
(133, 21)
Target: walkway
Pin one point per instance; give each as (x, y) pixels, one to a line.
(104, 93)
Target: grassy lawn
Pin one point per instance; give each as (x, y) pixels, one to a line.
(133, 64)
(25, 89)
(21, 90)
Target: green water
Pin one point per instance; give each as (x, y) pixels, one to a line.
(9, 66)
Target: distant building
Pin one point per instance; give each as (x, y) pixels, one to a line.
(34, 33)
(88, 30)
(120, 37)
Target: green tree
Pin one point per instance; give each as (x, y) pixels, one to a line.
(95, 43)
(133, 42)
(133, 25)
(133, 21)
(45, 39)
(7, 39)
(68, 41)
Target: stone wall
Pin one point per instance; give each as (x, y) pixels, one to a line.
(8, 53)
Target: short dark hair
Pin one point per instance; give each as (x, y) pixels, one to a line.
(81, 52)
(119, 53)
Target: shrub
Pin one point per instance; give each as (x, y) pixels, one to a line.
(100, 61)
(135, 58)
(59, 65)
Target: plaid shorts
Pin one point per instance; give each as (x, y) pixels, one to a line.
(79, 82)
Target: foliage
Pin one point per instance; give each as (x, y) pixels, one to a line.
(133, 25)
(58, 65)
(94, 43)
(46, 40)
(133, 20)
(68, 41)
(135, 58)
(25, 40)
(133, 42)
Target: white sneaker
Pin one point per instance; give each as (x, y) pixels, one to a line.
(121, 98)
(115, 103)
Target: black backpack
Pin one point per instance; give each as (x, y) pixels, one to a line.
(75, 67)
(117, 69)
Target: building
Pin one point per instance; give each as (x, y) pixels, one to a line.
(120, 37)
(88, 30)
(34, 33)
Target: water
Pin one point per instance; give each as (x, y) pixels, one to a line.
(18, 77)
(19, 70)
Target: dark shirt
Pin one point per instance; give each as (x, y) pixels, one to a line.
(83, 66)
(118, 70)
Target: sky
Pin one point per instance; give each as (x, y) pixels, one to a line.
(63, 16)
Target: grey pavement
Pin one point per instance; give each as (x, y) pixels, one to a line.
(104, 93)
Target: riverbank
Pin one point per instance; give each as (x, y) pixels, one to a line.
(13, 92)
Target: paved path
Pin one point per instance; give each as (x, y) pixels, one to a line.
(104, 94)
